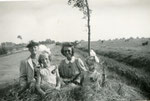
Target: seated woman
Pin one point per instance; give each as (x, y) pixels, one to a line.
(71, 67)
(47, 76)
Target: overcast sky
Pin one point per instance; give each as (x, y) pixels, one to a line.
(55, 19)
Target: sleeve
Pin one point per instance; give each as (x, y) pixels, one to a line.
(23, 73)
(60, 69)
(99, 78)
(38, 84)
(58, 81)
(81, 65)
(82, 78)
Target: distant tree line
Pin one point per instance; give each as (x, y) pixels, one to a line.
(145, 41)
(6, 47)
(3, 50)
(10, 47)
(47, 41)
(74, 43)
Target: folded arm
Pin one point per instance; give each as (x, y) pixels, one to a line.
(38, 84)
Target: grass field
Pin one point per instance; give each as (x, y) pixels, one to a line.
(131, 52)
(117, 87)
(129, 59)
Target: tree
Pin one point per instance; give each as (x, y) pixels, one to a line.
(84, 7)
(20, 37)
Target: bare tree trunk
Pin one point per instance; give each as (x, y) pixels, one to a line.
(88, 25)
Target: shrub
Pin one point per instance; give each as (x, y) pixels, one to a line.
(3, 50)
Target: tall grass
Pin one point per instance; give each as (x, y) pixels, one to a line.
(133, 76)
(113, 90)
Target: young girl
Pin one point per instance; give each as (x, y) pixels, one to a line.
(92, 77)
(47, 75)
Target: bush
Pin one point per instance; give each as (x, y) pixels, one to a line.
(3, 50)
(58, 43)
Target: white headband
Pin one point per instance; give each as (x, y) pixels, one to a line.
(92, 53)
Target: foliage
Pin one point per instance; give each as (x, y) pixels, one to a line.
(3, 50)
(75, 43)
(19, 37)
(84, 7)
(47, 41)
(58, 43)
(9, 47)
(81, 4)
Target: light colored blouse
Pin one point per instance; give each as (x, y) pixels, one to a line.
(48, 76)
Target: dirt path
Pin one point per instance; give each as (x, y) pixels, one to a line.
(9, 66)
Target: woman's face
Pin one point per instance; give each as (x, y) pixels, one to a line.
(68, 52)
(45, 60)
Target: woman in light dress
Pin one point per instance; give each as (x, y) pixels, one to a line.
(47, 76)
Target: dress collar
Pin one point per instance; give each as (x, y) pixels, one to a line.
(72, 60)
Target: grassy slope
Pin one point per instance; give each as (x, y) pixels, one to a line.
(121, 85)
(114, 90)
(132, 53)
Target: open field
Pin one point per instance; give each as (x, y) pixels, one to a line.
(116, 88)
(131, 52)
(133, 59)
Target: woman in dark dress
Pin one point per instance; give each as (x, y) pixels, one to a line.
(71, 67)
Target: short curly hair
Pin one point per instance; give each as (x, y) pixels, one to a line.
(43, 53)
(67, 44)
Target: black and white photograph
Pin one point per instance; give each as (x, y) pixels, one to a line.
(74, 50)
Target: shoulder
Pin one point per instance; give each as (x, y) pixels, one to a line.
(62, 63)
(25, 60)
(78, 60)
(52, 67)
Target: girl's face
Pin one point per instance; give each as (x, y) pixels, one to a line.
(68, 52)
(45, 60)
(91, 64)
(91, 68)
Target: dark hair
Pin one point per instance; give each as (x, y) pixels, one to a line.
(32, 44)
(67, 45)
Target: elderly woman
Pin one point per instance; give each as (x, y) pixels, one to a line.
(71, 67)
